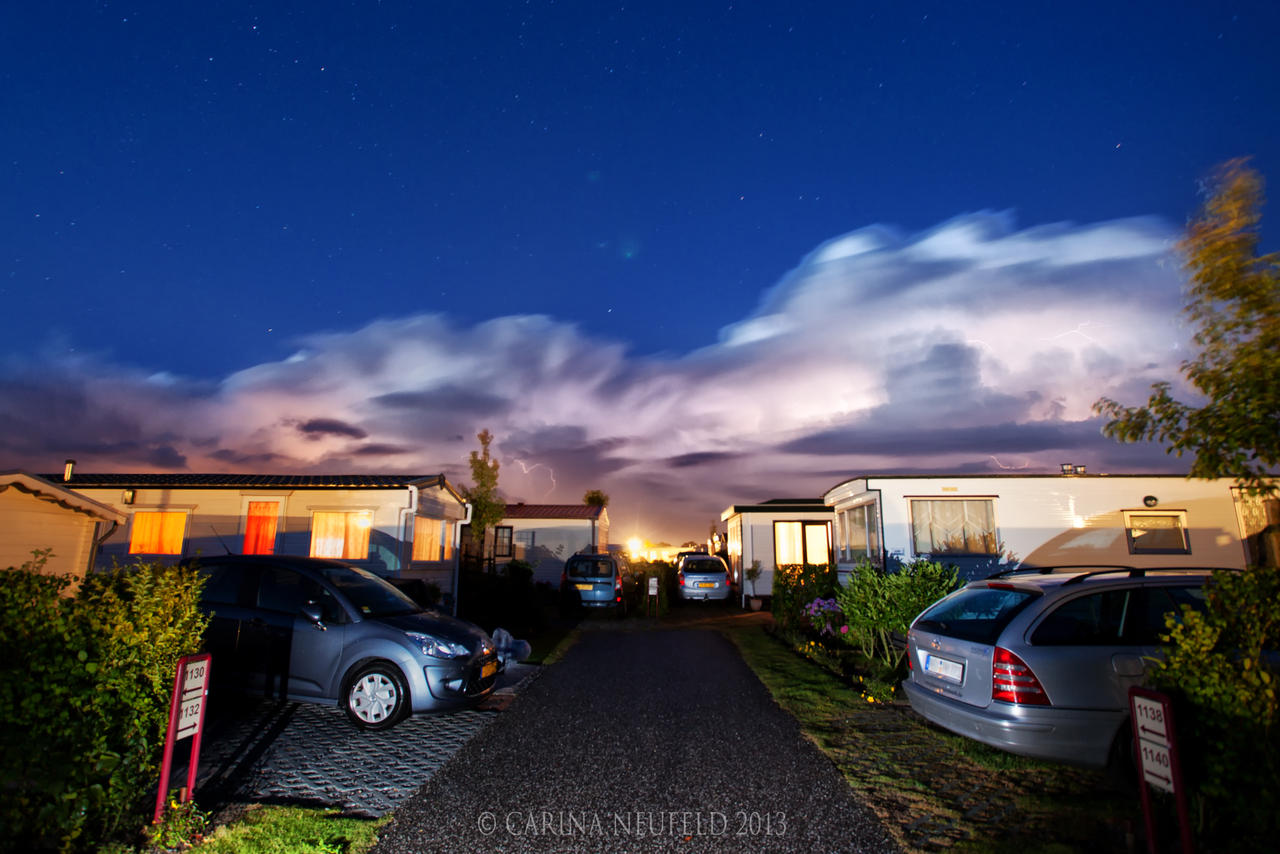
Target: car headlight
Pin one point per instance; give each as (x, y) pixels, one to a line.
(438, 647)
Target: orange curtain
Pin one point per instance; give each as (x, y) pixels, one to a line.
(260, 528)
(157, 532)
(341, 535)
(426, 538)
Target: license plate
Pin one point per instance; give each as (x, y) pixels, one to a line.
(706, 584)
(583, 587)
(488, 670)
(952, 671)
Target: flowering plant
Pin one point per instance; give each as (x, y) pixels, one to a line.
(825, 616)
(180, 826)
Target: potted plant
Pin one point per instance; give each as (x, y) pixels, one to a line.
(753, 573)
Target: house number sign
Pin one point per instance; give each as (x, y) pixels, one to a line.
(1156, 752)
(186, 720)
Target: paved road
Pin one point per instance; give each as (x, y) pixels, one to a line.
(638, 741)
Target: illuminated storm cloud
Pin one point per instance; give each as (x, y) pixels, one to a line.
(971, 347)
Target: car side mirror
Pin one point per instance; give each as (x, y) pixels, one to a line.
(313, 613)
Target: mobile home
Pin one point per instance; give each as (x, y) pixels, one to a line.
(982, 523)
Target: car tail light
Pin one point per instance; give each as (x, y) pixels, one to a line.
(680, 578)
(617, 588)
(1013, 682)
(728, 580)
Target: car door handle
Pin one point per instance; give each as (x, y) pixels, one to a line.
(1128, 665)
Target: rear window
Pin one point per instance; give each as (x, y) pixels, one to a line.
(586, 568)
(708, 566)
(975, 614)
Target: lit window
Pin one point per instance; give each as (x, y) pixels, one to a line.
(426, 538)
(342, 535)
(801, 543)
(954, 526)
(157, 532)
(260, 528)
(1157, 533)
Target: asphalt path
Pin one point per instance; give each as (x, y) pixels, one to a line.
(638, 741)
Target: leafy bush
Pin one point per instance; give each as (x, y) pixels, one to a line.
(1221, 667)
(88, 679)
(507, 599)
(796, 585)
(877, 605)
(666, 575)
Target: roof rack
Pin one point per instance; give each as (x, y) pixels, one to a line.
(1103, 569)
(1050, 570)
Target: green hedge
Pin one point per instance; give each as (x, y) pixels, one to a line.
(877, 605)
(1221, 669)
(85, 683)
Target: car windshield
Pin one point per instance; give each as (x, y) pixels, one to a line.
(371, 595)
(975, 613)
(590, 568)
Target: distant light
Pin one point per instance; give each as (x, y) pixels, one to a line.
(634, 545)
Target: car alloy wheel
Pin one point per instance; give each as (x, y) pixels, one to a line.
(376, 696)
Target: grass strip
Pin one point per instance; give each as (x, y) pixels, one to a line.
(293, 830)
(935, 791)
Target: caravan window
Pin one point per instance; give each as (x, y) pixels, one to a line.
(1157, 533)
(954, 526)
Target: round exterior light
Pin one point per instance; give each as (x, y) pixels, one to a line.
(1150, 501)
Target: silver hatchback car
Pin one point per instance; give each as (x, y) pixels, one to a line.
(1039, 661)
(327, 632)
(703, 576)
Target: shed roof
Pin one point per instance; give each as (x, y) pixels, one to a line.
(553, 511)
(45, 490)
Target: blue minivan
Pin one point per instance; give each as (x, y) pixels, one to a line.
(598, 581)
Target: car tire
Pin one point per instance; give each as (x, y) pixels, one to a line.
(375, 696)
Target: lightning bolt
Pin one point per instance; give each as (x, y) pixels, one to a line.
(1079, 330)
(550, 472)
(1008, 468)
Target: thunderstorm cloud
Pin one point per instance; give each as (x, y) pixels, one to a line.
(971, 347)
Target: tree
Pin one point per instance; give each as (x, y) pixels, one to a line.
(1234, 301)
(487, 509)
(595, 498)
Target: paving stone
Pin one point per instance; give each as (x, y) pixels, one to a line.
(307, 753)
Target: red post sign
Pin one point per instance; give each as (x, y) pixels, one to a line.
(1156, 751)
(186, 720)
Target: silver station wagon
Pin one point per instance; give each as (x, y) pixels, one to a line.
(1039, 662)
(327, 632)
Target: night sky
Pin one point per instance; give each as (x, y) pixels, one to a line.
(692, 254)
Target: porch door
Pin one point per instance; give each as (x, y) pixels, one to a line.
(1259, 519)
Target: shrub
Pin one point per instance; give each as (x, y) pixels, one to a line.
(666, 575)
(88, 679)
(796, 585)
(1222, 672)
(825, 617)
(878, 605)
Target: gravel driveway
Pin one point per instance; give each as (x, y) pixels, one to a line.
(638, 741)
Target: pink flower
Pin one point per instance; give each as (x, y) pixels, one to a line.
(844, 630)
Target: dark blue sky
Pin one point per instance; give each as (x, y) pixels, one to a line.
(208, 208)
(182, 178)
